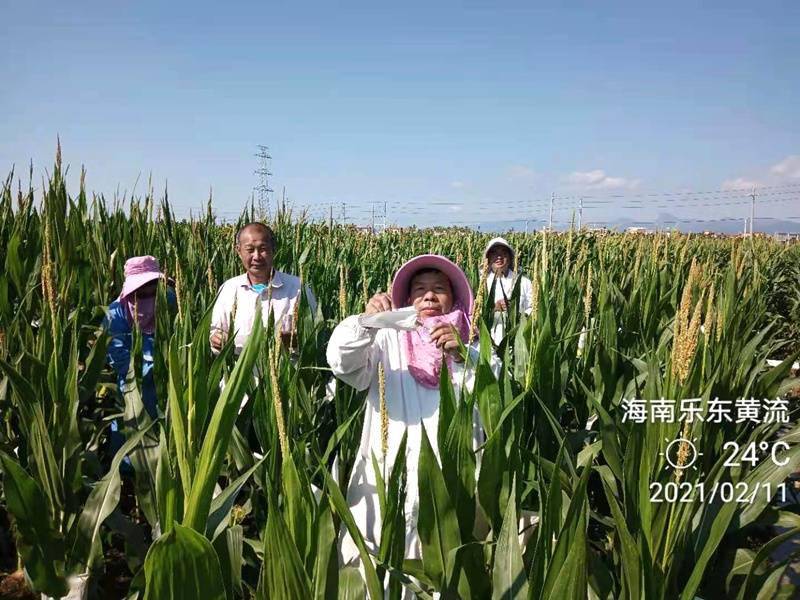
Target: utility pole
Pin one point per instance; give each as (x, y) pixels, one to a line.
(526, 226)
(580, 212)
(372, 221)
(264, 174)
(384, 215)
(552, 199)
(344, 212)
(330, 221)
(752, 210)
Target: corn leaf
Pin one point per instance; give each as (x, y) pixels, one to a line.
(182, 565)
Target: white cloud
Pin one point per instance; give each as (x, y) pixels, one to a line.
(458, 185)
(788, 167)
(740, 183)
(588, 177)
(598, 179)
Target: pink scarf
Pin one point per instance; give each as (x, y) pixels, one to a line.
(423, 357)
(146, 312)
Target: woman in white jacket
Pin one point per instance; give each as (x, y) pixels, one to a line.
(500, 256)
(442, 300)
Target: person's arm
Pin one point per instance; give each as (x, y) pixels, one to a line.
(118, 350)
(352, 353)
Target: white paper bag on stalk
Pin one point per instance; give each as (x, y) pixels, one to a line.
(78, 588)
(402, 319)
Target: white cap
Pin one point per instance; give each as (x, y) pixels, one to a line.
(495, 242)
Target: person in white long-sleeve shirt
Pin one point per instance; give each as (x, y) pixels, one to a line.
(440, 292)
(237, 298)
(500, 256)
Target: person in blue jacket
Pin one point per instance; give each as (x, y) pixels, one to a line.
(135, 307)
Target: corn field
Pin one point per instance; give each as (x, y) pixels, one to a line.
(223, 503)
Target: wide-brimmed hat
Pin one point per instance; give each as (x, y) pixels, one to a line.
(139, 271)
(498, 241)
(462, 292)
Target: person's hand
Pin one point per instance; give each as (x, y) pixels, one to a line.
(500, 305)
(218, 339)
(446, 336)
(380, 302)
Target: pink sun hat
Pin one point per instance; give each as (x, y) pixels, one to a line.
(462, 291)
(139, 271)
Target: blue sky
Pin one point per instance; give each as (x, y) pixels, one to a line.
(449, 112)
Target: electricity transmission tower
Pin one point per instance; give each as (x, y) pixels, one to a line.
(262, 189)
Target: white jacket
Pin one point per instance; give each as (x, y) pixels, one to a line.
(502, 290)
(354, 353)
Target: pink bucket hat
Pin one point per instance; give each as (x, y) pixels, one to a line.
(139, 270)
(462, 292)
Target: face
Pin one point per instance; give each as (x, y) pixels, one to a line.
(499, 258)
(148, 290)
(431, 294)
(255, 252)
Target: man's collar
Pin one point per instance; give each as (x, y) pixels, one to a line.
(277, 281)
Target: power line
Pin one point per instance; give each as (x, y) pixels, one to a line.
(687, 193)
(706, 204)
(360, 213)
(724, 197)
(404, 209)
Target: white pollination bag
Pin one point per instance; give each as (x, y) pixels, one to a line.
(402, 319)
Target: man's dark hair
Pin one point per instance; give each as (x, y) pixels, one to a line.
(265, 229)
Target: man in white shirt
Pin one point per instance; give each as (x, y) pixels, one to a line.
(236, 300)
(500, 256)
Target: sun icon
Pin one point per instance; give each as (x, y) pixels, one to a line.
(680, 453)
